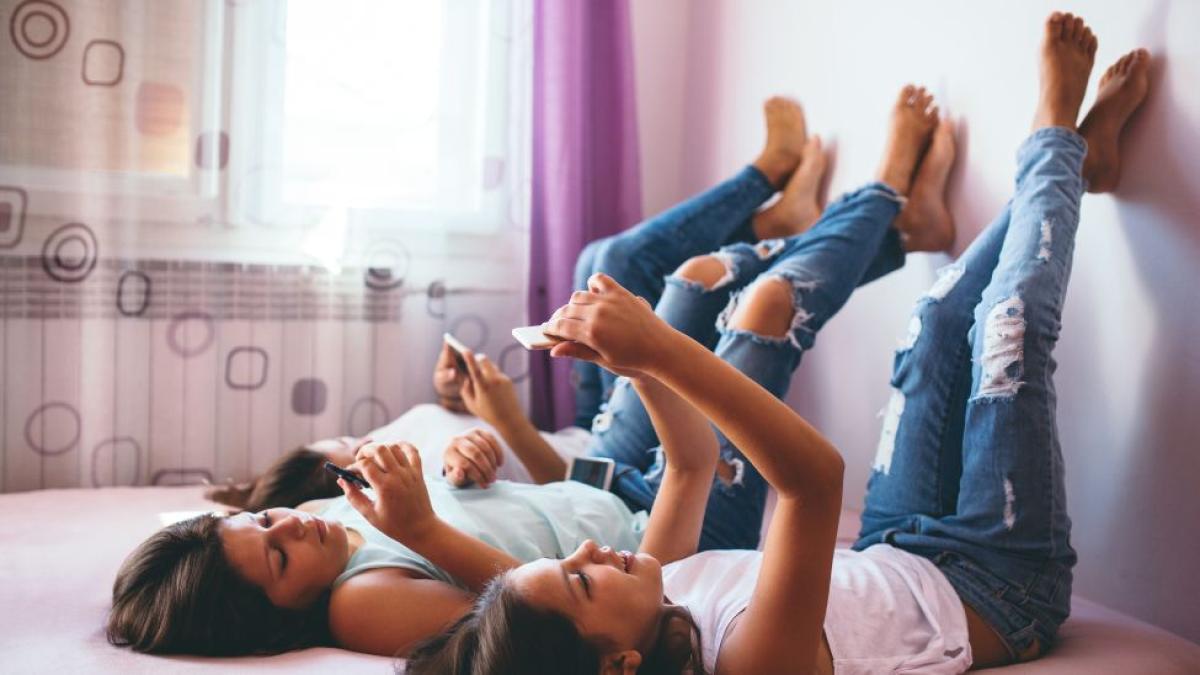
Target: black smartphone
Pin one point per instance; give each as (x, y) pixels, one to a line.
(348, 475)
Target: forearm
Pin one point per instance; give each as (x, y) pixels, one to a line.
(462, 556)
(690, 449)
(787, 451)
(539, 457)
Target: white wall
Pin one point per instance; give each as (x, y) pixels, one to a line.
(1129, 376)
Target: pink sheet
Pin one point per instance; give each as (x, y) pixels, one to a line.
(59, 551)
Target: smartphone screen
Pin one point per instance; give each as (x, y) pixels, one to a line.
(594, 472)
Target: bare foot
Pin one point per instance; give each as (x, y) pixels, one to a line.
(1068, 52)
(1122, 89)
(799, 207)
(925, 223)
(786, 135)
(913, 121)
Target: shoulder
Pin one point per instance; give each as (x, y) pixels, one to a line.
(384, 611)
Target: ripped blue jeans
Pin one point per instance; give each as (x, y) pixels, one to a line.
(969, 472)
(852, 243)
(641, 257)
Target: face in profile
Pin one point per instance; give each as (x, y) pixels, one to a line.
(291, 555)
(614, 598)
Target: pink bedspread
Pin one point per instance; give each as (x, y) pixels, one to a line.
(59, 551)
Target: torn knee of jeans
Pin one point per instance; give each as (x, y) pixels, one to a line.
(731, 471)
(800, 316)
(948, 277)
(1010, 513)
(1003, 350)
(1043, 254)
(887, 435)
(769, 248)
(684, 275)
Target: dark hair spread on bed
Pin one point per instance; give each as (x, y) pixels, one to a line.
(504, 634)
(295, 478)
(177, 594)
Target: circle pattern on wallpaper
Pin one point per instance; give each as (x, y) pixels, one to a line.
(182, 476)
(191, 333)
(103, 63)
(53, 428)
(471, 329)
(133, 293)
(514, 362)
(39, 28)
(69, 253)
(387, 265)
(366, 414)
(12, 215)
(120, 457)
(435, 303)
(309, 395)
(246, 368)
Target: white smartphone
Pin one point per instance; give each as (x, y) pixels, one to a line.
(457, 347)
(594, 471)
(532, 337)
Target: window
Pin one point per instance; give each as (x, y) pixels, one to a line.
(396, 113)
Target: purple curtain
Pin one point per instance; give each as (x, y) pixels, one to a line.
(586, 183)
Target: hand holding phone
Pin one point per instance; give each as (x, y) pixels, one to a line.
(533, 338)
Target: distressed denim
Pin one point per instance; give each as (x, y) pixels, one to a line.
(851, 243)
(969, 472)
(640, 257)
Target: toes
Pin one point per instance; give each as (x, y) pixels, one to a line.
(1054, 25)
(1064, 32)
(1093, 44)
(906, 95)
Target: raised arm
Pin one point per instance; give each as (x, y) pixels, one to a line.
(788, 605)
(690, 449)
(489, 395)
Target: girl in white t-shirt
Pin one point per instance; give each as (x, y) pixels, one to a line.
(799, 606)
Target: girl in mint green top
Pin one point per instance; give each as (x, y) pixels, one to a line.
(526, 521)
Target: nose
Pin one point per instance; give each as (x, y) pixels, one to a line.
(291, 525)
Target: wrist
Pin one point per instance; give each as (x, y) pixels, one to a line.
(417, 534)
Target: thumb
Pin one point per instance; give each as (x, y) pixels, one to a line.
(574, 350)
(601, 282)
(357, 498)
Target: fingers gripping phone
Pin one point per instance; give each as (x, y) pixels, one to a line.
(594, 471)
(348, 475)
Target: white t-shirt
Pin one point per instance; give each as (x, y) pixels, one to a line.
(889, 611)
(429, 427)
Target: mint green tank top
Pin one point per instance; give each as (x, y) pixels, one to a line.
(526, 521)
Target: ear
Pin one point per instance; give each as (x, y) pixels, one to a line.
(620, 663)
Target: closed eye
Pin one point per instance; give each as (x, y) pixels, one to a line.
(587, 584)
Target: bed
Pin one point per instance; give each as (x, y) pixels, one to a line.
(59, 551)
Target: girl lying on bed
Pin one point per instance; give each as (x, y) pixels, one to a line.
(964, 557)
(278, 579)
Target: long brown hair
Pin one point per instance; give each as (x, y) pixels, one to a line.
(294, 478)
(178, 594)
(505, 634)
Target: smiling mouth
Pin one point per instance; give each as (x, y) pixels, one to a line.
(626, 560)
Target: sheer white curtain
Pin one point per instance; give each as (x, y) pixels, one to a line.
(230, 227)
